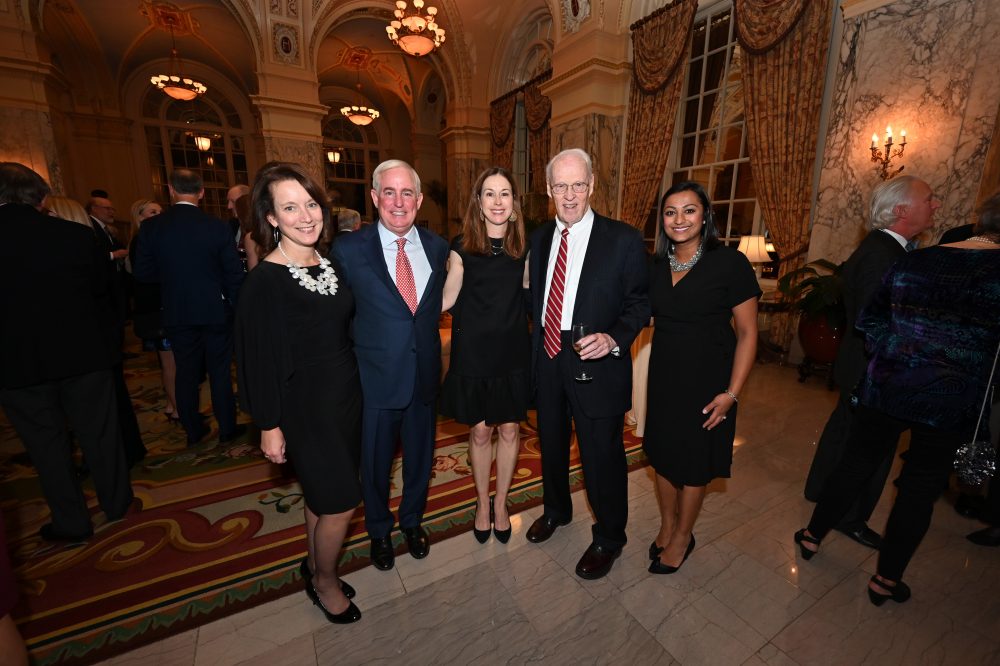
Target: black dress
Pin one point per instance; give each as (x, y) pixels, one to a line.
(691, 362)
(297, 371)
(488, 378)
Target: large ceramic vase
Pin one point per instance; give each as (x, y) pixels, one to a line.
(819, 338)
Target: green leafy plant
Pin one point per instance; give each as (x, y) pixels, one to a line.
(815, 292)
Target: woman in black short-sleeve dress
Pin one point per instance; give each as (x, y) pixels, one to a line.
(487, 384)
(297, 372)
(704, 301)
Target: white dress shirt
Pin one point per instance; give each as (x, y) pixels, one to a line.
(576, 251)
(419, 264)
(899, 239)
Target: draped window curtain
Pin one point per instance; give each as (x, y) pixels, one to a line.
(502, 130)
(538, 111)
(786, 44)
(660, 44)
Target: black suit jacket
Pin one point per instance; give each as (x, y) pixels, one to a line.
(193, 257)
(958, 234)
(115, 271)
(55, 312)
(611, 298)
(862, 275)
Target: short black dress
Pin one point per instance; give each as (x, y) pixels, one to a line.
(691, 362)
(297, 371)
(488, 377)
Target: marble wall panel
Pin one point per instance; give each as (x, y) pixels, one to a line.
(926, 66)
(26, 136)
(601, 136)
(309, 154)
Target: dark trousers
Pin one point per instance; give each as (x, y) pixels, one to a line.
(135, 450)
(926, 467)
(602, 450)
(381, 432)
(209, 347)
(829, 452)
(40, 415)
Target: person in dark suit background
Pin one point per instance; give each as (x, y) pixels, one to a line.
(396, 272)
(193, 257)
(600, 280)
(47, 382)
(901, 209)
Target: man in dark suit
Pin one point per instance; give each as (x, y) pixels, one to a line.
(193, 257)
(102, 219)
(584, 268)
(347, 221)
(56, 357)
(901, 209)
(396, 272)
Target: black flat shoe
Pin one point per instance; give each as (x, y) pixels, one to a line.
(306, 574)
(802, 538)
(503, 536)
(899, 592)
(482, 536)
(657, 567)
(654, 550)
(351, 614)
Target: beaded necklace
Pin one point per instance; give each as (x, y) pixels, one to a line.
(327, 282)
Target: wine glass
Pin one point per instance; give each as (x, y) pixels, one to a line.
(581, 331)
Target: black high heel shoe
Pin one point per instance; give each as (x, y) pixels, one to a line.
(349, 615)
(654, 550)
(657, 567)
(482, 536)
(802, 538)
(503, 536)
(899, 592)
(306, 574)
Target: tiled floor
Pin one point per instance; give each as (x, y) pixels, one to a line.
(743, 597)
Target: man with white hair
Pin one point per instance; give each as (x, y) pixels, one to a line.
(901, 209)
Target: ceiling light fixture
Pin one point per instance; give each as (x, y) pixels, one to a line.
(416, 33)
(359, 114)
(174, 83)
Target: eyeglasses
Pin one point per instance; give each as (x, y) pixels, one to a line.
(560, 188)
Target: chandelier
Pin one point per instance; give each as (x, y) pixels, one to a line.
(174, 83)
(358, 113)
(416, 33)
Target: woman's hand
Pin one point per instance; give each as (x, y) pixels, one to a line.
(717, 409)
(272, 443)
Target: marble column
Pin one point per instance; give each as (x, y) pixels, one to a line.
(467, 152)
(427, 162)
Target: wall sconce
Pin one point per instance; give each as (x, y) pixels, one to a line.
(755, 248)
(333, 156)
(883, 158)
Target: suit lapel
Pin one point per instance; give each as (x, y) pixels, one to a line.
(544, 249)
(434, 262)
(591, 264)
(376, 258)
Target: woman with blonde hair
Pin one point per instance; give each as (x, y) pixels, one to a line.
(67, 209)
(147, 316)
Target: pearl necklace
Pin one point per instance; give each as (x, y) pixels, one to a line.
(985, 239)
(679, 266)
(327, 282)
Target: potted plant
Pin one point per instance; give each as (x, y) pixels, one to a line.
(817, 292)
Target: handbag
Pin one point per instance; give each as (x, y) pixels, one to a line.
(975, 461)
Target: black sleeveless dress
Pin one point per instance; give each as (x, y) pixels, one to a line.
(488, 378)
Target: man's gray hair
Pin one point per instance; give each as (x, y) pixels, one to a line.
(347, 219)
(393, 164)
(885, 197)
(575, 152)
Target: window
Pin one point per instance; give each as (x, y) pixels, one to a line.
(710, 144)
(171, 127)
(348, 181)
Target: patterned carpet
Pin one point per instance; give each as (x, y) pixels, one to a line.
(220, 529)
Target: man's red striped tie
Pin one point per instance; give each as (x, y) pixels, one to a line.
(553, 309)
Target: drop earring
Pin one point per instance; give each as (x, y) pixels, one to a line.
(513, 217)
(276, 234)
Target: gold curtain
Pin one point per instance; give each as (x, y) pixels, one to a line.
(537, 112)
(502, 130)
(786, 43)
(659, 48)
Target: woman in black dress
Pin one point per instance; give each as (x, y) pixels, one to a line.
(297, 372)
(487, 382)
(704, 301)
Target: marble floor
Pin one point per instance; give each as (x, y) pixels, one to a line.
(744, 596)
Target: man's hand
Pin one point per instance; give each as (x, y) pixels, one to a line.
(596, 345)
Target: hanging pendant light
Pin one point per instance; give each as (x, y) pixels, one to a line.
(415, 32)
(174, 83)
(359, 114)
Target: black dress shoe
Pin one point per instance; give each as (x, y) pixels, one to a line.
(482, 536)
(382, 555)
(349, 615)
(986, 537)
(417, 542)
(238, 431)
(654, 550)
(543, 528)
(596, 561)
(306, 574)
(866, 536)
(49, 533)
(503, 536)
(658, 567)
